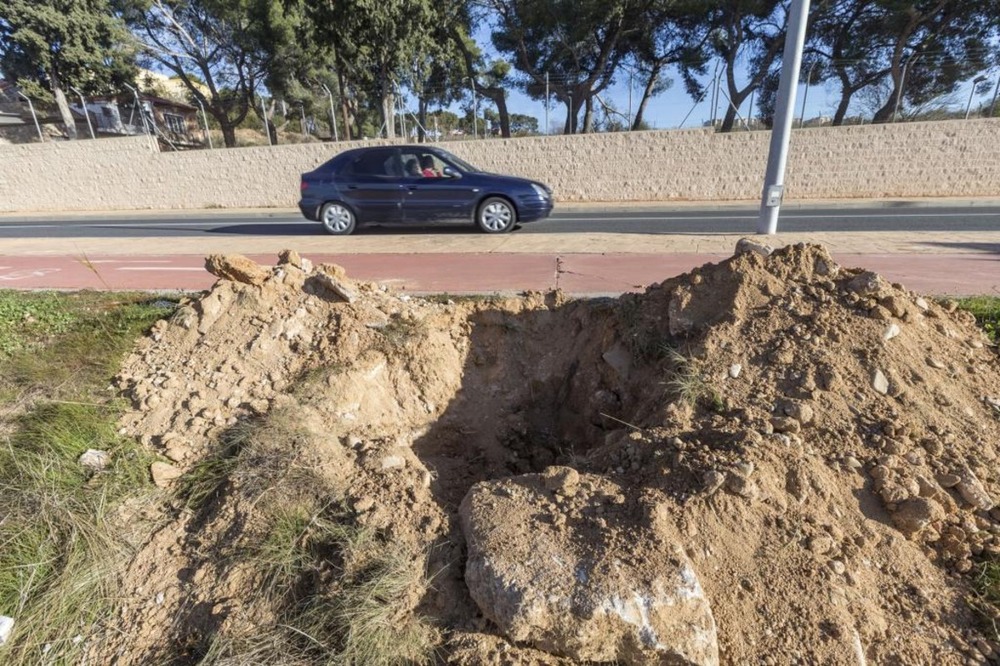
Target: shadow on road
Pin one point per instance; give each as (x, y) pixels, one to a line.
(986, 248)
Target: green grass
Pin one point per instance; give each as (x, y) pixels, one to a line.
(62, 540)
(986, 309)
(985, 599)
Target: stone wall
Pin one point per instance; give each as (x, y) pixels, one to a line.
(937, 159)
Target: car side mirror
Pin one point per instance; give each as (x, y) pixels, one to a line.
(449, 172)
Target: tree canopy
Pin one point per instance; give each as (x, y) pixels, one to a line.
(379, 67)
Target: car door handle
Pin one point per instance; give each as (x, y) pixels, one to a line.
(412, 187)
(352, 187)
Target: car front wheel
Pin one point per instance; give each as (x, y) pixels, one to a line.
(337, 219)
(496, 216)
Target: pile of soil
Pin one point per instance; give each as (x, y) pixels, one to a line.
(820, 444)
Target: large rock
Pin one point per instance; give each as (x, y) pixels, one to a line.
(237, 268)
(586, 575)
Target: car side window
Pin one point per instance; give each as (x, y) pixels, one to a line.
(376, 163)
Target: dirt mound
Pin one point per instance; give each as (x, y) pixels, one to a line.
(820, 444)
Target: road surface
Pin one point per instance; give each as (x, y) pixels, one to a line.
(624, 221)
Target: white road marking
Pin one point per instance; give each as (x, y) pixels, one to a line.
(25, 274)
(128, 261)
(784, 216)
(159, 268)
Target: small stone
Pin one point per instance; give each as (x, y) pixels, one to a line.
(921, 303)
(935, 363)
(890, 332)
(713, 480)
(914, 514)
(364, 504)
(6, 628)
(734, 370)
(392, 462)
(94, 460)
(164, 474)
(973, 492)
(821, 545)
(880, 383)
(948, 480)
(748, 245)
(290, 257)
(561, 480)
(785, 424)
(740, 485)
(852, 463)
(837, 567)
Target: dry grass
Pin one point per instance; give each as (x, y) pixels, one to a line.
(62, 539)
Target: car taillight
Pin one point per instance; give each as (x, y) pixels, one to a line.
(305, 186)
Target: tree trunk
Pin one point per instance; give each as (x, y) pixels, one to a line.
(730, 118)
(501, 102)
(344, 108)
(228, 132)
(421, 119)
(588, 116)
(845, 101)
(64, 112)
(647, 93)
(887, 111)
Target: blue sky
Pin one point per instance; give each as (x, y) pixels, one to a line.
(669, 109)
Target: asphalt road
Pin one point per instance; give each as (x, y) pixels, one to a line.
(649, 221)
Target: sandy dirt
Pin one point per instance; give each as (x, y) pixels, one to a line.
(818, 444)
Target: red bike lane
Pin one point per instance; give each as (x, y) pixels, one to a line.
(463, 273)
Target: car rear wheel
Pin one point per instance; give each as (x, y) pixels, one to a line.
(496, 216)
(337, 219)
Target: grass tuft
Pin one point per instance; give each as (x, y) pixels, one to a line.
(689, 383)
(986, 310)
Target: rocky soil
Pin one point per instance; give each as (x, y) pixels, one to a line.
(769, 460)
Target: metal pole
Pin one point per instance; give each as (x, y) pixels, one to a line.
(902, 85)
(333, 113)
(475, 109)
(805, 95)
(31, 107)
(267, 130)
(781, 133)
(547, 130)
(630, 72)
(750, 111)
(975, 82)
(83, 105)
(968, 107)
(138, 104)
(204, 118)
(302, 119)
(996, 92)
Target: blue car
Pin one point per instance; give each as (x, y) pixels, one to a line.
(416, 184)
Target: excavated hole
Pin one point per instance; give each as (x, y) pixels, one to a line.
(534, 392)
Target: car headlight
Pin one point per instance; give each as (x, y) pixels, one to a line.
(541, 191)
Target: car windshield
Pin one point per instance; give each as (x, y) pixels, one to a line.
(459, 162)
